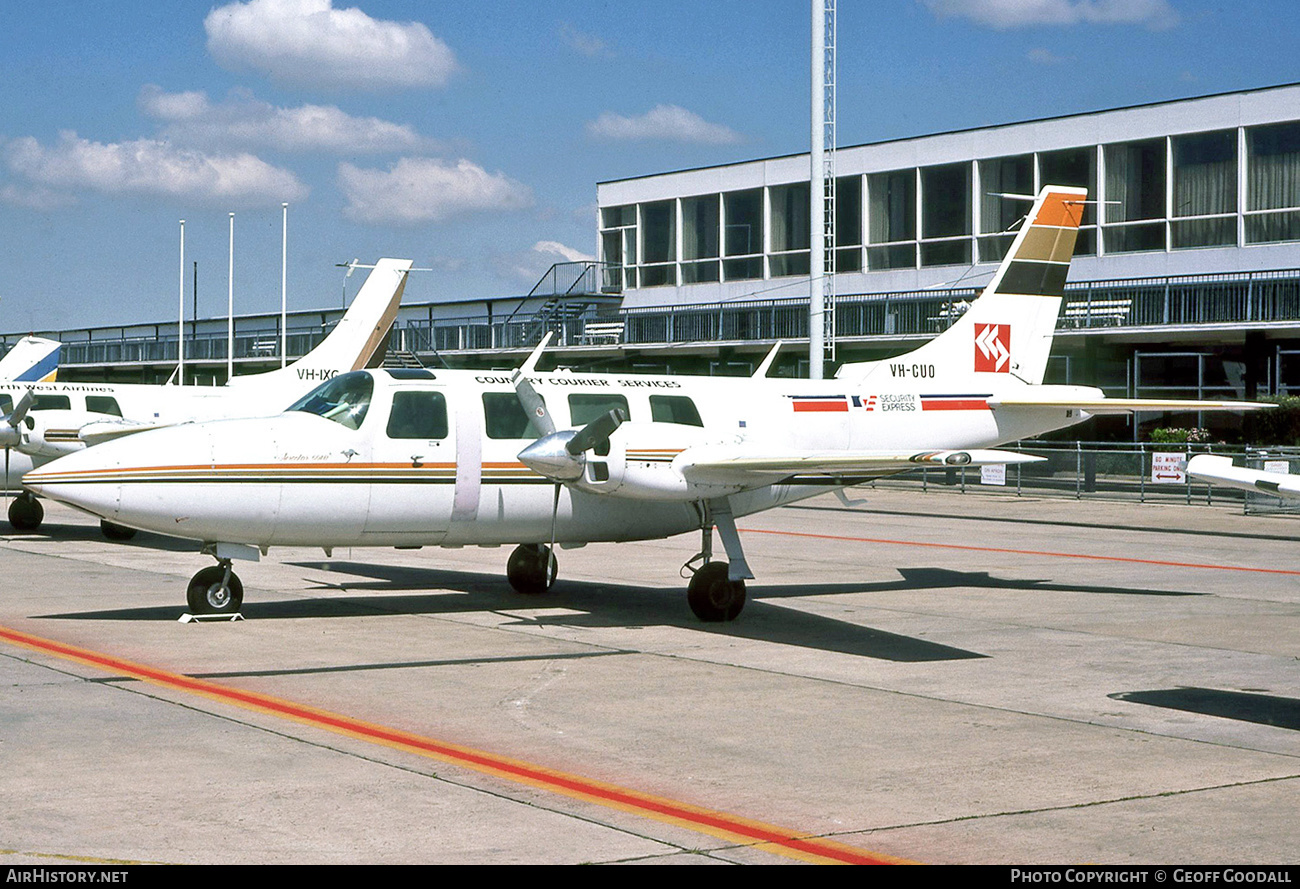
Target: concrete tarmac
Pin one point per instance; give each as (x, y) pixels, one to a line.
(932, 677)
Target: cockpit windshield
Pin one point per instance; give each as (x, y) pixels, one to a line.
(344, 399)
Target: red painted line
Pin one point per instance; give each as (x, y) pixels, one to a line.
(719, 824)
(1025, 552)
(821, 406)
(965, 405)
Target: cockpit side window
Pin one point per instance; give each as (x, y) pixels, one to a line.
(344, 399)
(420, 415)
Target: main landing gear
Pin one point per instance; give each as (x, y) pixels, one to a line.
(26, 512)
(716, 592)
(215, 590)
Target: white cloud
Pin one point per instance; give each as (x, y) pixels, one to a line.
(150, 167)
(308, 42)
(1044, 56)
(569, 254)
(581, 42)
(242, 120)
(668, 122)
(1002, 14)
(418, 190)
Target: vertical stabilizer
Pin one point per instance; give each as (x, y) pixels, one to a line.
(1006, 334)
(358, 338)
(33, 359)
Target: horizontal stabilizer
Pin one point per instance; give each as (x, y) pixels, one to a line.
(1124, 405)
(1221, 471)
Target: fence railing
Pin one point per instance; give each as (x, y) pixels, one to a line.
(1142, 471)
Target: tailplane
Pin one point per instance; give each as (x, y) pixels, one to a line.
(33, 359)
(1007, 332)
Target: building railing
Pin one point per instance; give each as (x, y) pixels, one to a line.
(1230, 298)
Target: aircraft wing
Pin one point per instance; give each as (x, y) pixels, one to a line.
(1125, 405)
(106, 430)
(716, 464)
(1211, 468)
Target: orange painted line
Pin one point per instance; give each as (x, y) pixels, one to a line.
(732, 828)
(1024, 552)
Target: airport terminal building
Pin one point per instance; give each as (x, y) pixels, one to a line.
(1186, 280)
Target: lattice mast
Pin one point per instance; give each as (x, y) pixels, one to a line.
(821, 194)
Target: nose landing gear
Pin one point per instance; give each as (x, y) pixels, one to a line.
(215, 590)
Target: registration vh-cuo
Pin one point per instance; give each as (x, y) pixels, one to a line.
(412, 458)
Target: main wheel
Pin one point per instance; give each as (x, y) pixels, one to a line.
(26, 513)
(206, 595)
(712, 596)
(114, 531)
(531, 568)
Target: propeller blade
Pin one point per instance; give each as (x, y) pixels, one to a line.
(533, 405)
(19, 413)
(595, 433)
(10, 436)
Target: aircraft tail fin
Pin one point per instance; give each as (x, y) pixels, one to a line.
(358, 340)
(33, 359)
(1007, 332)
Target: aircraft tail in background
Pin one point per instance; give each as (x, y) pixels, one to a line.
(33, 359)
(358, 340)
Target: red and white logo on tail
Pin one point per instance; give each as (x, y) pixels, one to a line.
(993, 348)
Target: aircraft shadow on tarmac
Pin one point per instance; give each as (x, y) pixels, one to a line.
(143, 539)
(391, 589)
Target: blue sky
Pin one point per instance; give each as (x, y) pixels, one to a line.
(470, 137)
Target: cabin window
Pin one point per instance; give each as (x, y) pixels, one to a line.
(344, 399)
(674, 409)
(585, 408)
(103, 404)
(504, 417)
(51, 403)
(420, 415)
(6, 405)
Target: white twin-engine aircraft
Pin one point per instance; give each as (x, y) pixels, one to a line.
(415, 458)
(46, 419)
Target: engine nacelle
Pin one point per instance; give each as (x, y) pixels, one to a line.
(54, 433)
(643, 462)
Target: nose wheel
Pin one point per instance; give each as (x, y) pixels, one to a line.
(215, 590)
(531, 568)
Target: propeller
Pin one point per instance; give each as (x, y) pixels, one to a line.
(559, 455)
(10, 434)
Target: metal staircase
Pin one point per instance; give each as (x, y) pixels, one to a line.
(574, 292)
